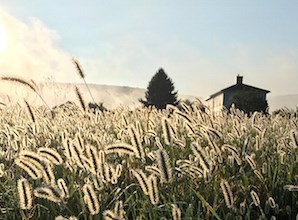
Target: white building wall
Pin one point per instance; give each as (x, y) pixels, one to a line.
(215, 104)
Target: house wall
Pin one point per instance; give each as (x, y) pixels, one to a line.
(226, 99)
(229, 93)
(215, 104)
(223, 100)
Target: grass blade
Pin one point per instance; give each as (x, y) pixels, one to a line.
(206, 204)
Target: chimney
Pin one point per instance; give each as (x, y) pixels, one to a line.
(239, 79)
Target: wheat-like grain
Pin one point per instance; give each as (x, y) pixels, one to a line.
(80, 98)
(271, 202)
(167, 130)
(33, 171)
(255, 198)
(30, 155)
(153, 191)
(48, 174)
(118, 170)
(264, 168)
(109, 215)
(79, 140)
(97, 182)
(117, 213)
(142, 180)
(257, 145)
(2, 169)
(119, 210)
(294, 138)
(105, 172)
(30, 111)
(242, 208)
(151, 133)
(66, 146)
(251, 162)
(186, 167)
(153, 170)
(76, 153)
(79, 69)
(121, 148)
(163, 162)
(63, 188)
(231, 149)
(136, 142)
(82, 75)
(186, 117)
(50, 155)
(259, 175)
(231, 160)
(282, 155)
(25, 194)
(51, 193)
(94, 159)
(292, 188)
(91, 199)
(227, 192)
(60, 217)
(19, 80)
(176, 212)
(200, 153)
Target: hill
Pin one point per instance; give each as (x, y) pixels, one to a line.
(58, 93)
(111, 96)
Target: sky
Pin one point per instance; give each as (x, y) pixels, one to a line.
(201, 45)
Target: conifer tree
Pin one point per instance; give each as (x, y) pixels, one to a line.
(160, 91)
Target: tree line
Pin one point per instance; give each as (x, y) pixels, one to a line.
(161, 92)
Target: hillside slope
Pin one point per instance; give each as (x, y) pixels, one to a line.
(58, 93)
(111, 96)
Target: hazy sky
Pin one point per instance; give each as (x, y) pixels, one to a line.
(202, 45)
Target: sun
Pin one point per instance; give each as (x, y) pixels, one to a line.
(3, 38)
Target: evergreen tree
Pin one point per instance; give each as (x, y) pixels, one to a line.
(160, 91)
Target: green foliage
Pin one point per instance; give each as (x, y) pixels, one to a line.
(160, 91)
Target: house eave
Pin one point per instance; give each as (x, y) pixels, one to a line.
(214, 95)
(233, 87)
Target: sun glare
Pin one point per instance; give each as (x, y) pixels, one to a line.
(3, 38)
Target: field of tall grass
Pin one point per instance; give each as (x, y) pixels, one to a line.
(147, 164)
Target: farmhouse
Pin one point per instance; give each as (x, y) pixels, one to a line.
(224, 98)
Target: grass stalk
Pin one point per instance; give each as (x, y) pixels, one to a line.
(205, 203)
(32, 85)
(82, 75)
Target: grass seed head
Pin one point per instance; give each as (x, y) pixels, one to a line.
(164, 166)
(51, 193)
(227, 192)
(25, 194)
(91, 199)
(255, 198)
(153, 189)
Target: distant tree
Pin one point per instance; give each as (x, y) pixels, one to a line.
(94, 106)
(249, 101)
(160, 91)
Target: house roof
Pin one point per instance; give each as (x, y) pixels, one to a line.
(238, 85)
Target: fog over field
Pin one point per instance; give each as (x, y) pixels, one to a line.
(111, 96)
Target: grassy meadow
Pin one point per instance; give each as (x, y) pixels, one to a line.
(147, 164)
